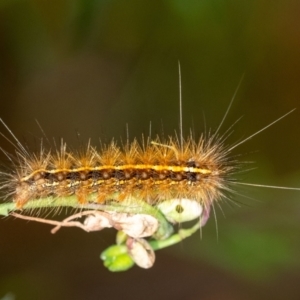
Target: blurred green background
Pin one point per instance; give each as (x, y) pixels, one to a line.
(92, 67)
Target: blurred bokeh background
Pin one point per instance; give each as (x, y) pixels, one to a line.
(94, 66)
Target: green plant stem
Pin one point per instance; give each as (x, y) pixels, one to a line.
(175, 238)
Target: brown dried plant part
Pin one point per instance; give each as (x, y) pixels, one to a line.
(135, 226)
(141, 252)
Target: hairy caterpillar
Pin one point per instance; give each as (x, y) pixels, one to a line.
(181, 178)
(153, 170)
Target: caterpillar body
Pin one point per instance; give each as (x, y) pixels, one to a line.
(153, 171)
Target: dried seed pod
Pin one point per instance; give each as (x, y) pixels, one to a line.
(135, 226)
(97, 221)
(141, 252)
